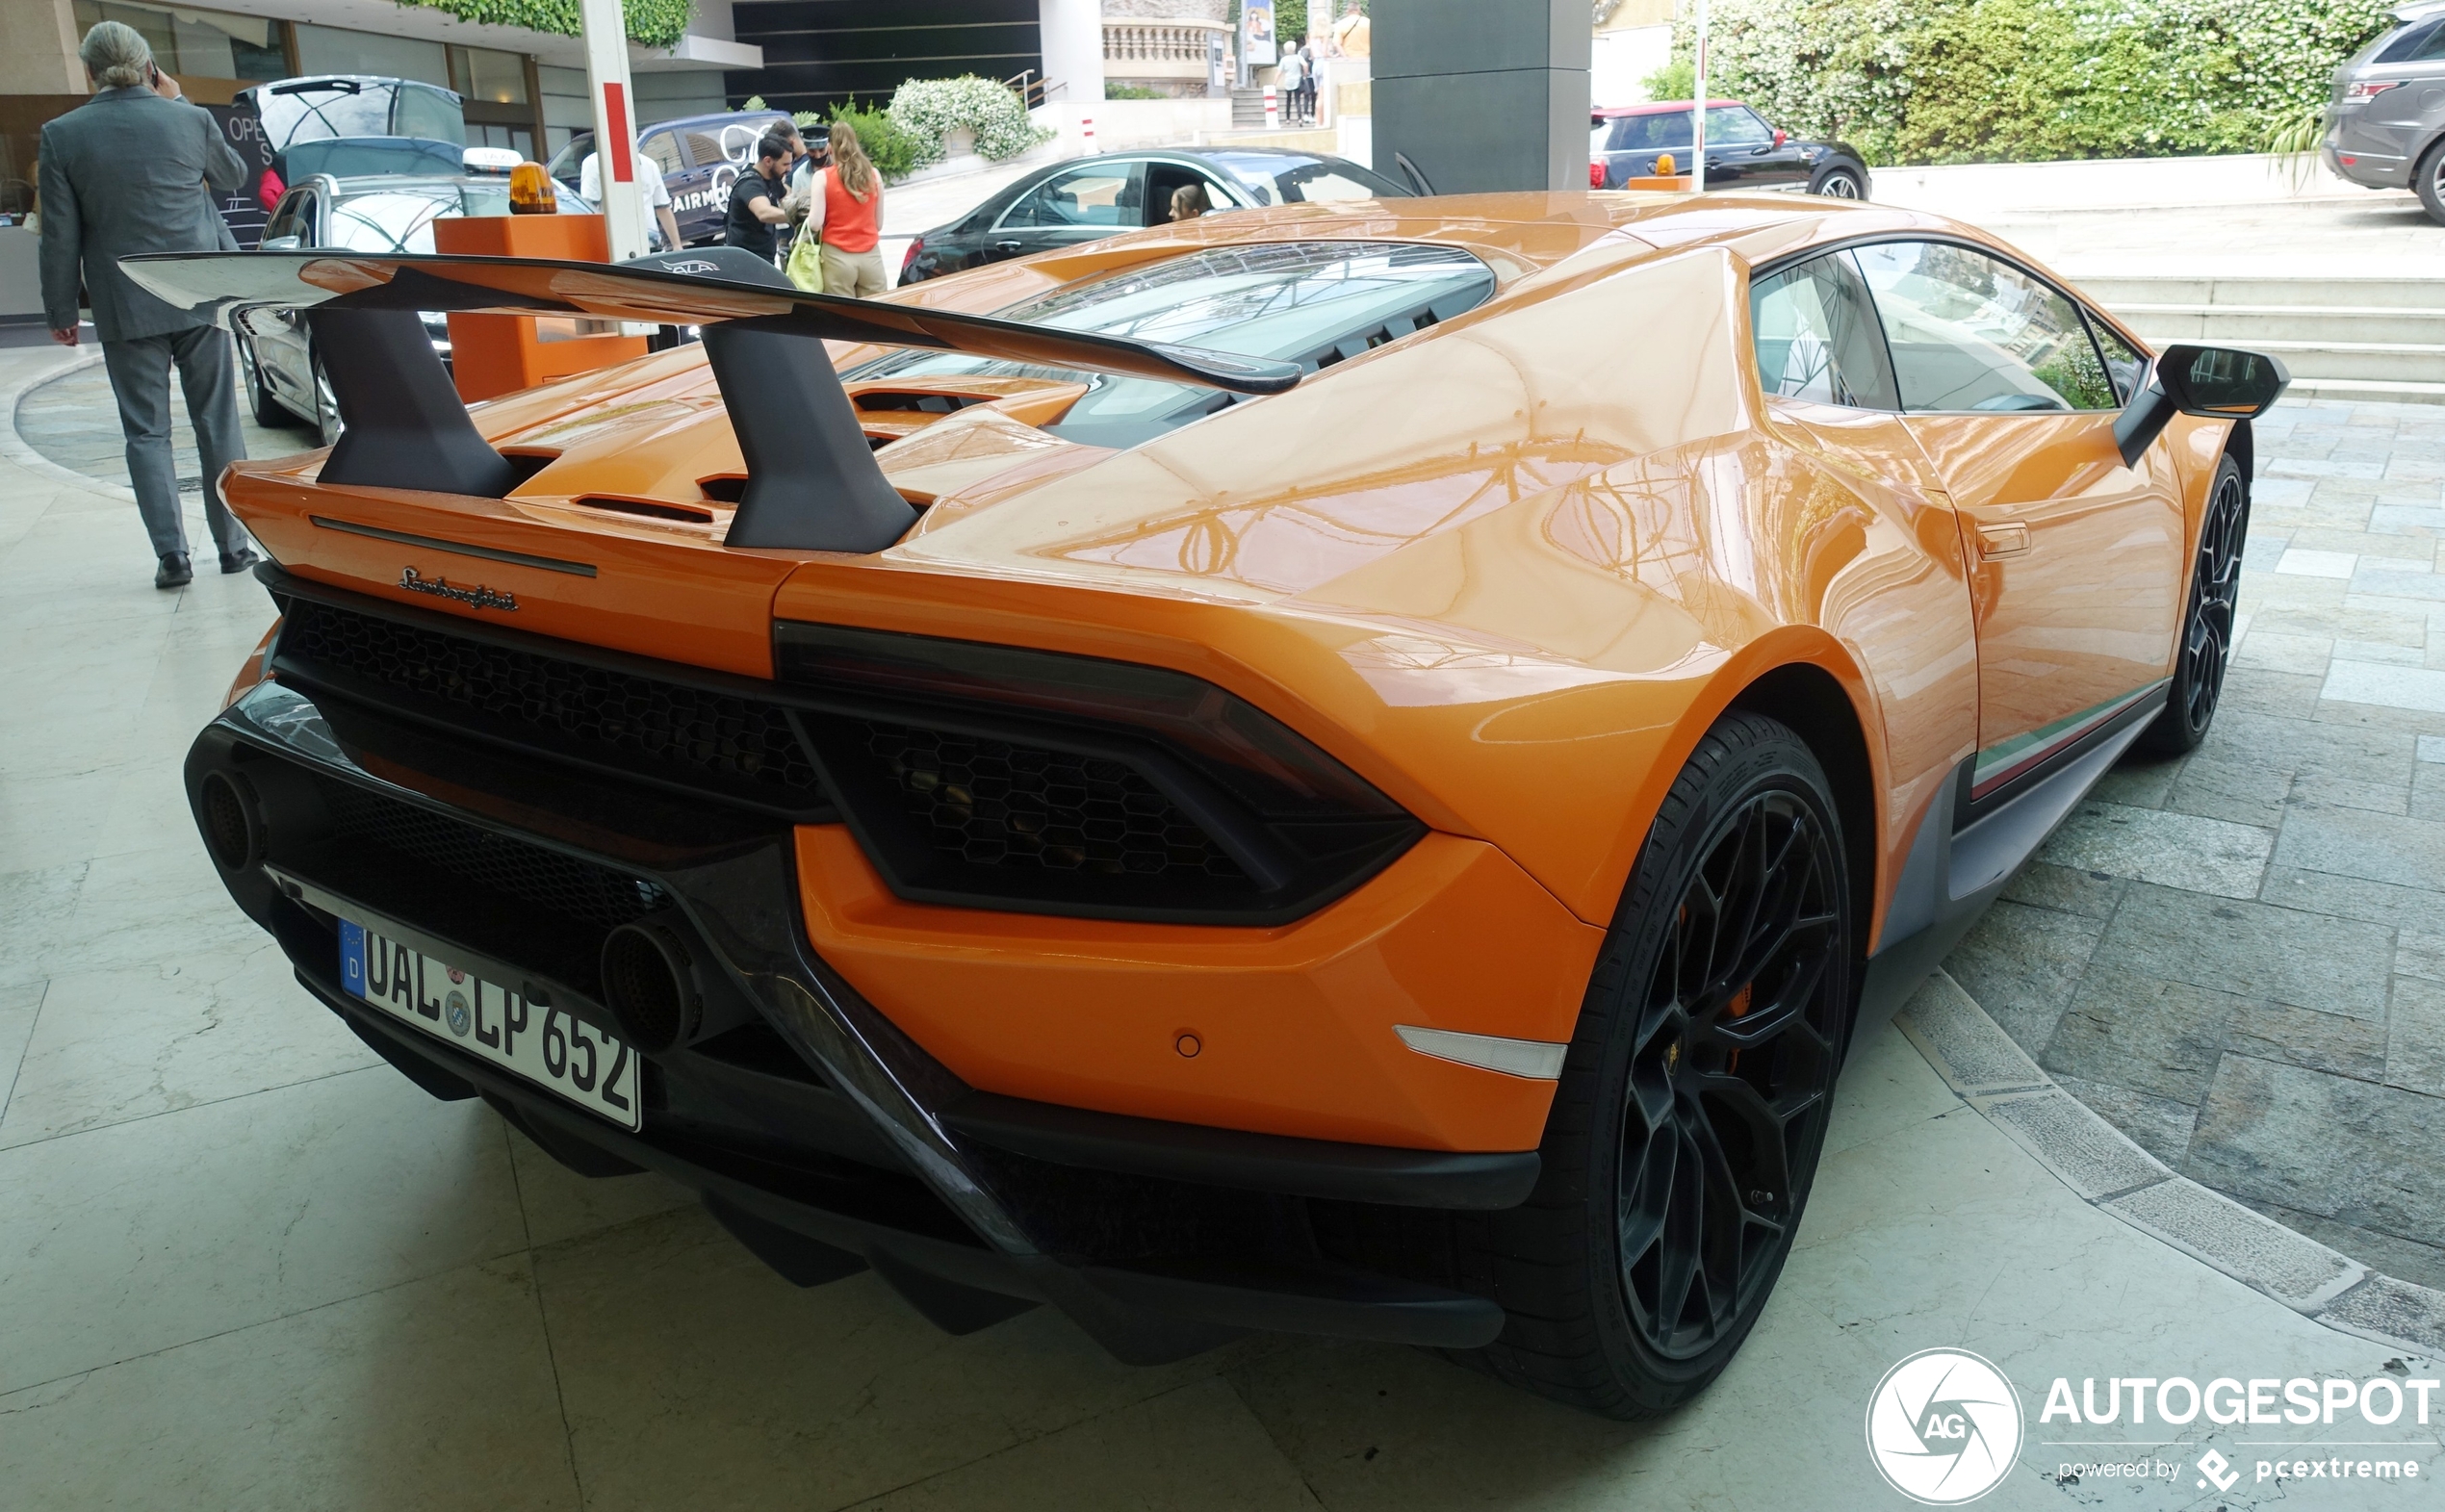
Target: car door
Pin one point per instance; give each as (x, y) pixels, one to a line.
(701, 201)
(1097, 198)
(1740, 148)
(1771, 159)
(2076, 559)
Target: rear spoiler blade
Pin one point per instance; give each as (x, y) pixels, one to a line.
(217, 281)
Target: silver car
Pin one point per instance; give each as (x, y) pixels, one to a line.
(2386, 127)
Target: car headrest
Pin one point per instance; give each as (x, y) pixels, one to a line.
(734, 263)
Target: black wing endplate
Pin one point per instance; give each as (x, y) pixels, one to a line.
(672, 294)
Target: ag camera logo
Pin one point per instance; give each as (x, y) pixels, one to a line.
(1943, 1428)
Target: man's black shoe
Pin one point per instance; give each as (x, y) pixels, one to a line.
(239, 560)
(173, 573)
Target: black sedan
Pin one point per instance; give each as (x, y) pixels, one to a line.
(1088, 198)
(1742, 152)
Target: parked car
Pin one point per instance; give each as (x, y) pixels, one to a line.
(700, 156)
(2386, 126)
(278, 364)
(1087, 198)
(1400, 850)
(1742, 152)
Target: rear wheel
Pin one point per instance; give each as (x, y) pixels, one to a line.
(1685, 1133)
(1839, 182)
(265, 405)
(2428, 178)
(2207, 625)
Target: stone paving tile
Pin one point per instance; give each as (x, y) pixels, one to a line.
(2251, 949)
(2348, 1150)
(2176, 850)
(2405, 1259)
(2354, 898)
(2158, 1125)
(2385, 684)
(2041, 885)
(2351, 842)
(2023, 965)
(2335, 1043)
(2142, 1033)
(2289, 693)
(2213, 785)
(2415, 1036)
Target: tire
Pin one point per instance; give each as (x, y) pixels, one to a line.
(1659, 1131)
(260, 399)
(2428, 178)
(325, 421)
(2206, 646)
(1839, 181)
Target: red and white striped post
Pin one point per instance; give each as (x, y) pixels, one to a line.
(1087, 133)
(604, 29)
(1272, 107)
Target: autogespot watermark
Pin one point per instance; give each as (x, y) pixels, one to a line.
(1944, 1427)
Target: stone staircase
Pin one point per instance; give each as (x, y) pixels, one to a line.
(2343, 337)
(1247, 110)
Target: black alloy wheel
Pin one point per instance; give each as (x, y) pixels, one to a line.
(2208, 627)
(1840, 183)
(1693, 1104)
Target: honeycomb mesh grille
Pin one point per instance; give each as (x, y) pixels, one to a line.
(991, 803)
(547, 879)
(714, 738)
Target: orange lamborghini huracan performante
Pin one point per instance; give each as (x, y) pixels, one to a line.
(1352, 768)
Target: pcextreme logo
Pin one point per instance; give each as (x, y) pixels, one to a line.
(1943, 1428)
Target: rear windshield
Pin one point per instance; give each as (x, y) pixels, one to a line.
(1311, 302)
(319, 109)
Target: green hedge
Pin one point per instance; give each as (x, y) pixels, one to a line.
(651, 24)
(1998, 81)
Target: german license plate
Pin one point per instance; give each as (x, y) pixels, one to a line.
(544, 1045)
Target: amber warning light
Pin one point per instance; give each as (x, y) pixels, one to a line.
(531, 191)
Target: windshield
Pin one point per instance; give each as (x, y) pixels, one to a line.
(1312, 302)
(1287, 178)
(400, 219)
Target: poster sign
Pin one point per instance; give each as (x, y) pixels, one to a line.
(1257, 33)
(242, 129)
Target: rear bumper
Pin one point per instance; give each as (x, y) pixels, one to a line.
(848, 1147)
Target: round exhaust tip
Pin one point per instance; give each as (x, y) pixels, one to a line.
(232, 829)
(650, 987)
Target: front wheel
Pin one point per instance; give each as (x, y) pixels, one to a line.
(2206, 645)
(1839, 182)
(1692, 1105)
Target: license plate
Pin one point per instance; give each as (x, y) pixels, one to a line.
(544, 1045)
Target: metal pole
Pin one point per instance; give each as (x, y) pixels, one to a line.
(604, 29)
(1698, 111)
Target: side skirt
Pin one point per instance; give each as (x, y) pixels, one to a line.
(1953, 874)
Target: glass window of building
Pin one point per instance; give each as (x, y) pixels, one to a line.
(204, 45)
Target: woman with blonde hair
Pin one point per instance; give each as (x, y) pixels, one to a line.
(845, 213)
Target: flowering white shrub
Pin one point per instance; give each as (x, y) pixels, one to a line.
(1957, 80)
(931, 108)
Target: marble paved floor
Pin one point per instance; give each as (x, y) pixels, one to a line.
(2239, 957)
(244, 1265)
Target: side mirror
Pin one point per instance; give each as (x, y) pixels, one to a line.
(2217, 382)
(1781, 136)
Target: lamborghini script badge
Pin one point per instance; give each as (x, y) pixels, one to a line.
(475, 597)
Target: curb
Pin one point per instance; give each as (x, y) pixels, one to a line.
(1994, 1075)
(16, 449)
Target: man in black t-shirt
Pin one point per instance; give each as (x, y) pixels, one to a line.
(755, 200)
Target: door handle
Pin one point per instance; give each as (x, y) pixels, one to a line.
(2002, 540)
(1006, 246)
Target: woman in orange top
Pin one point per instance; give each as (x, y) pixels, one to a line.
(844, 211)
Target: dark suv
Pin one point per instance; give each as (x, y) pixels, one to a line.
(1743, 152)
(2386, 127)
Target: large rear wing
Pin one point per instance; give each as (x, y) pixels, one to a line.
(813, 482)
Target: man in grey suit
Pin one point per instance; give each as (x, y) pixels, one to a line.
(134, 170)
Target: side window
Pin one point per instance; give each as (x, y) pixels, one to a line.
(1736, 126)
(1968, 332)
(664, 150)
(2123, 366)
(705, 148)
(1096, 195)
(1817, 338)
(284, 217)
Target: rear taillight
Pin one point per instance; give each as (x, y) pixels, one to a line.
(908, 259)
(2360, 91)
(1596, 175)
